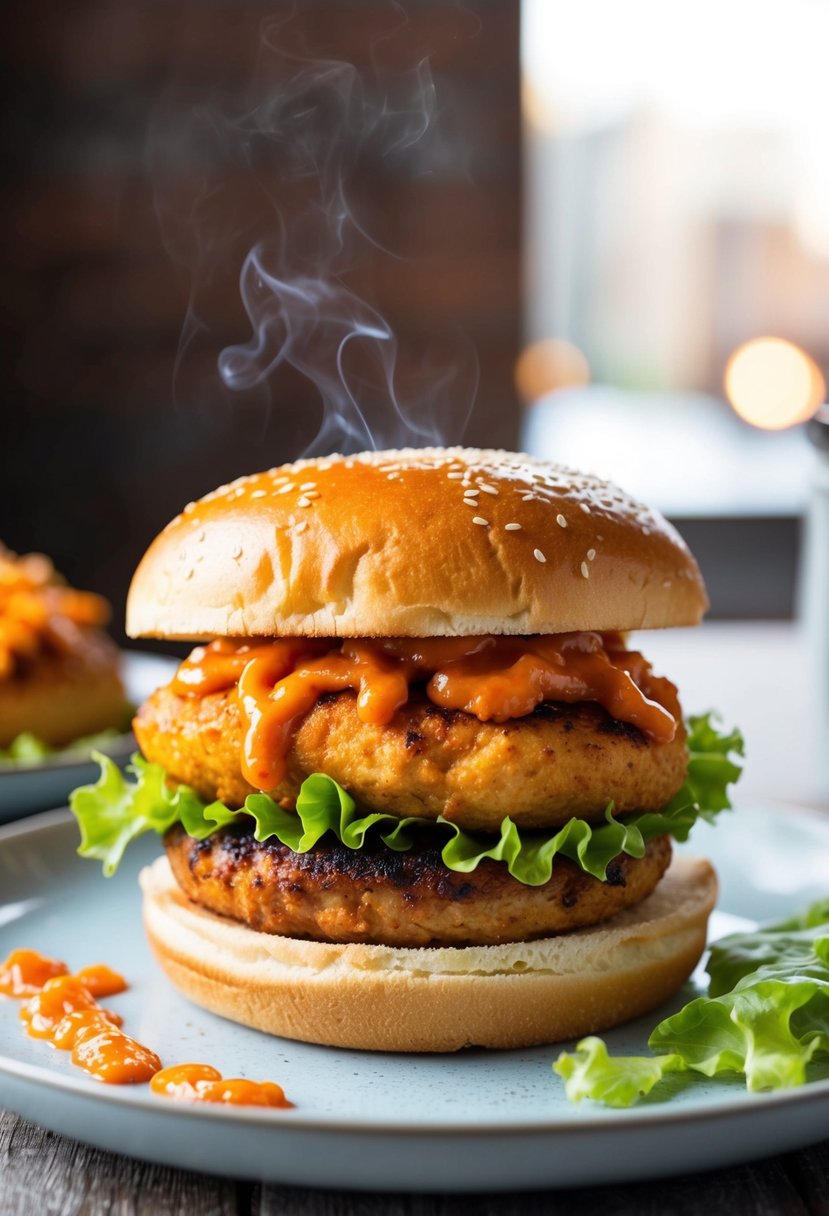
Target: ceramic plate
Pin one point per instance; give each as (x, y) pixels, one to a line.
(475, 1121)
(33, 787)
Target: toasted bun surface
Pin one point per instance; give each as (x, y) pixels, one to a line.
(385, 998)
(418, 543)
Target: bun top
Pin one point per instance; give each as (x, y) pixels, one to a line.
(416, 543)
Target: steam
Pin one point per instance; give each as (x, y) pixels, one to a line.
(308, 130)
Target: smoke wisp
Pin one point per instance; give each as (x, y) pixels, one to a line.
(305, 136)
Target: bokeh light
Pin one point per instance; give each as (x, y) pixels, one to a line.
(773, 384)
(549, 364)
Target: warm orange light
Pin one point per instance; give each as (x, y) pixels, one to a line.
(547, 365)
(773, 384)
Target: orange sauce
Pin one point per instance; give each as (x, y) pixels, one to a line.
(62, 1009)
(201, 1083)
(101, 980)
(493, 678)
(109, 1055)
(58, 997)
(37, 611)
(25, 972)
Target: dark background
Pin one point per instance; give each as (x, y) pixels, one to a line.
(131, 191)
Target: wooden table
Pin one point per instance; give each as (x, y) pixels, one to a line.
(43, 1173)
(733, 666)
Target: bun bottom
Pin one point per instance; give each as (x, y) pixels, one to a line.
(385, 998)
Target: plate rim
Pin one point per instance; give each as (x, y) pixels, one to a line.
(592, 1118)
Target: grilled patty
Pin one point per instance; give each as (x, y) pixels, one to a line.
(399, 899)
(560, 761)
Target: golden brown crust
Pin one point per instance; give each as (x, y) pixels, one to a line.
(375, 894)
(60, 698)
(396, 544)
(561, 761)
(381, 998)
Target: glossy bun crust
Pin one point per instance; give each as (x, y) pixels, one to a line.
(386, 998)
(420, 543)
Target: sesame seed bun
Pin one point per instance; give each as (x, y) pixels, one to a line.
(420, 543)
(385, 998)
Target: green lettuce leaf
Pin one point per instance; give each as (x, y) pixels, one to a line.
(766, 1018)
(29, 749)
(590, 1072)
(116, 809)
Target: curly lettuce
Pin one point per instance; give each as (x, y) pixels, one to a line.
(28, 749)
(117, 809)
(765, 1017)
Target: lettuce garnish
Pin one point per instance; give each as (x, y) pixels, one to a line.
(765, 1017)
(28, 749)
(115, 810)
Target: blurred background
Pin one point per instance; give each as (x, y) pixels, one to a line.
(596, 231)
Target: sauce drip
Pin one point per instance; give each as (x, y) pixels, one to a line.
(101, 980)
(201, 1083)
(66, 1014)
(59, 997)
(63, 1010)
(38, 612)
(493, 678)
(25, 972)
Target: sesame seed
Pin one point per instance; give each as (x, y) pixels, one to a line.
(188, 574)
(512, 527)
(454, 476)
(538, 555)
(561, 521)
(591, 553)
(584, 508)
(308, 485)
(487, 489)
(470, 501)
(476, 519)
(585, 569)
(527, 497)
(301, 526)
(312, 494)
(237, 552)
(259, 493)
(302, 501)
(287, 489)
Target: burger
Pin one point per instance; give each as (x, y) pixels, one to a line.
(417, 790)
(59, 672)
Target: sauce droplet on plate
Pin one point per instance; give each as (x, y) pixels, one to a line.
(202, 1083)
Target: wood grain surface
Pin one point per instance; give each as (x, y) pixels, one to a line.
(42, 1174)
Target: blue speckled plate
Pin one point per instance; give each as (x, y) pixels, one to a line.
(34, 787)
(476, 1121)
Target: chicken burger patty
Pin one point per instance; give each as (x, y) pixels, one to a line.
(61, 697)
(377, 895)
(541, 770)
